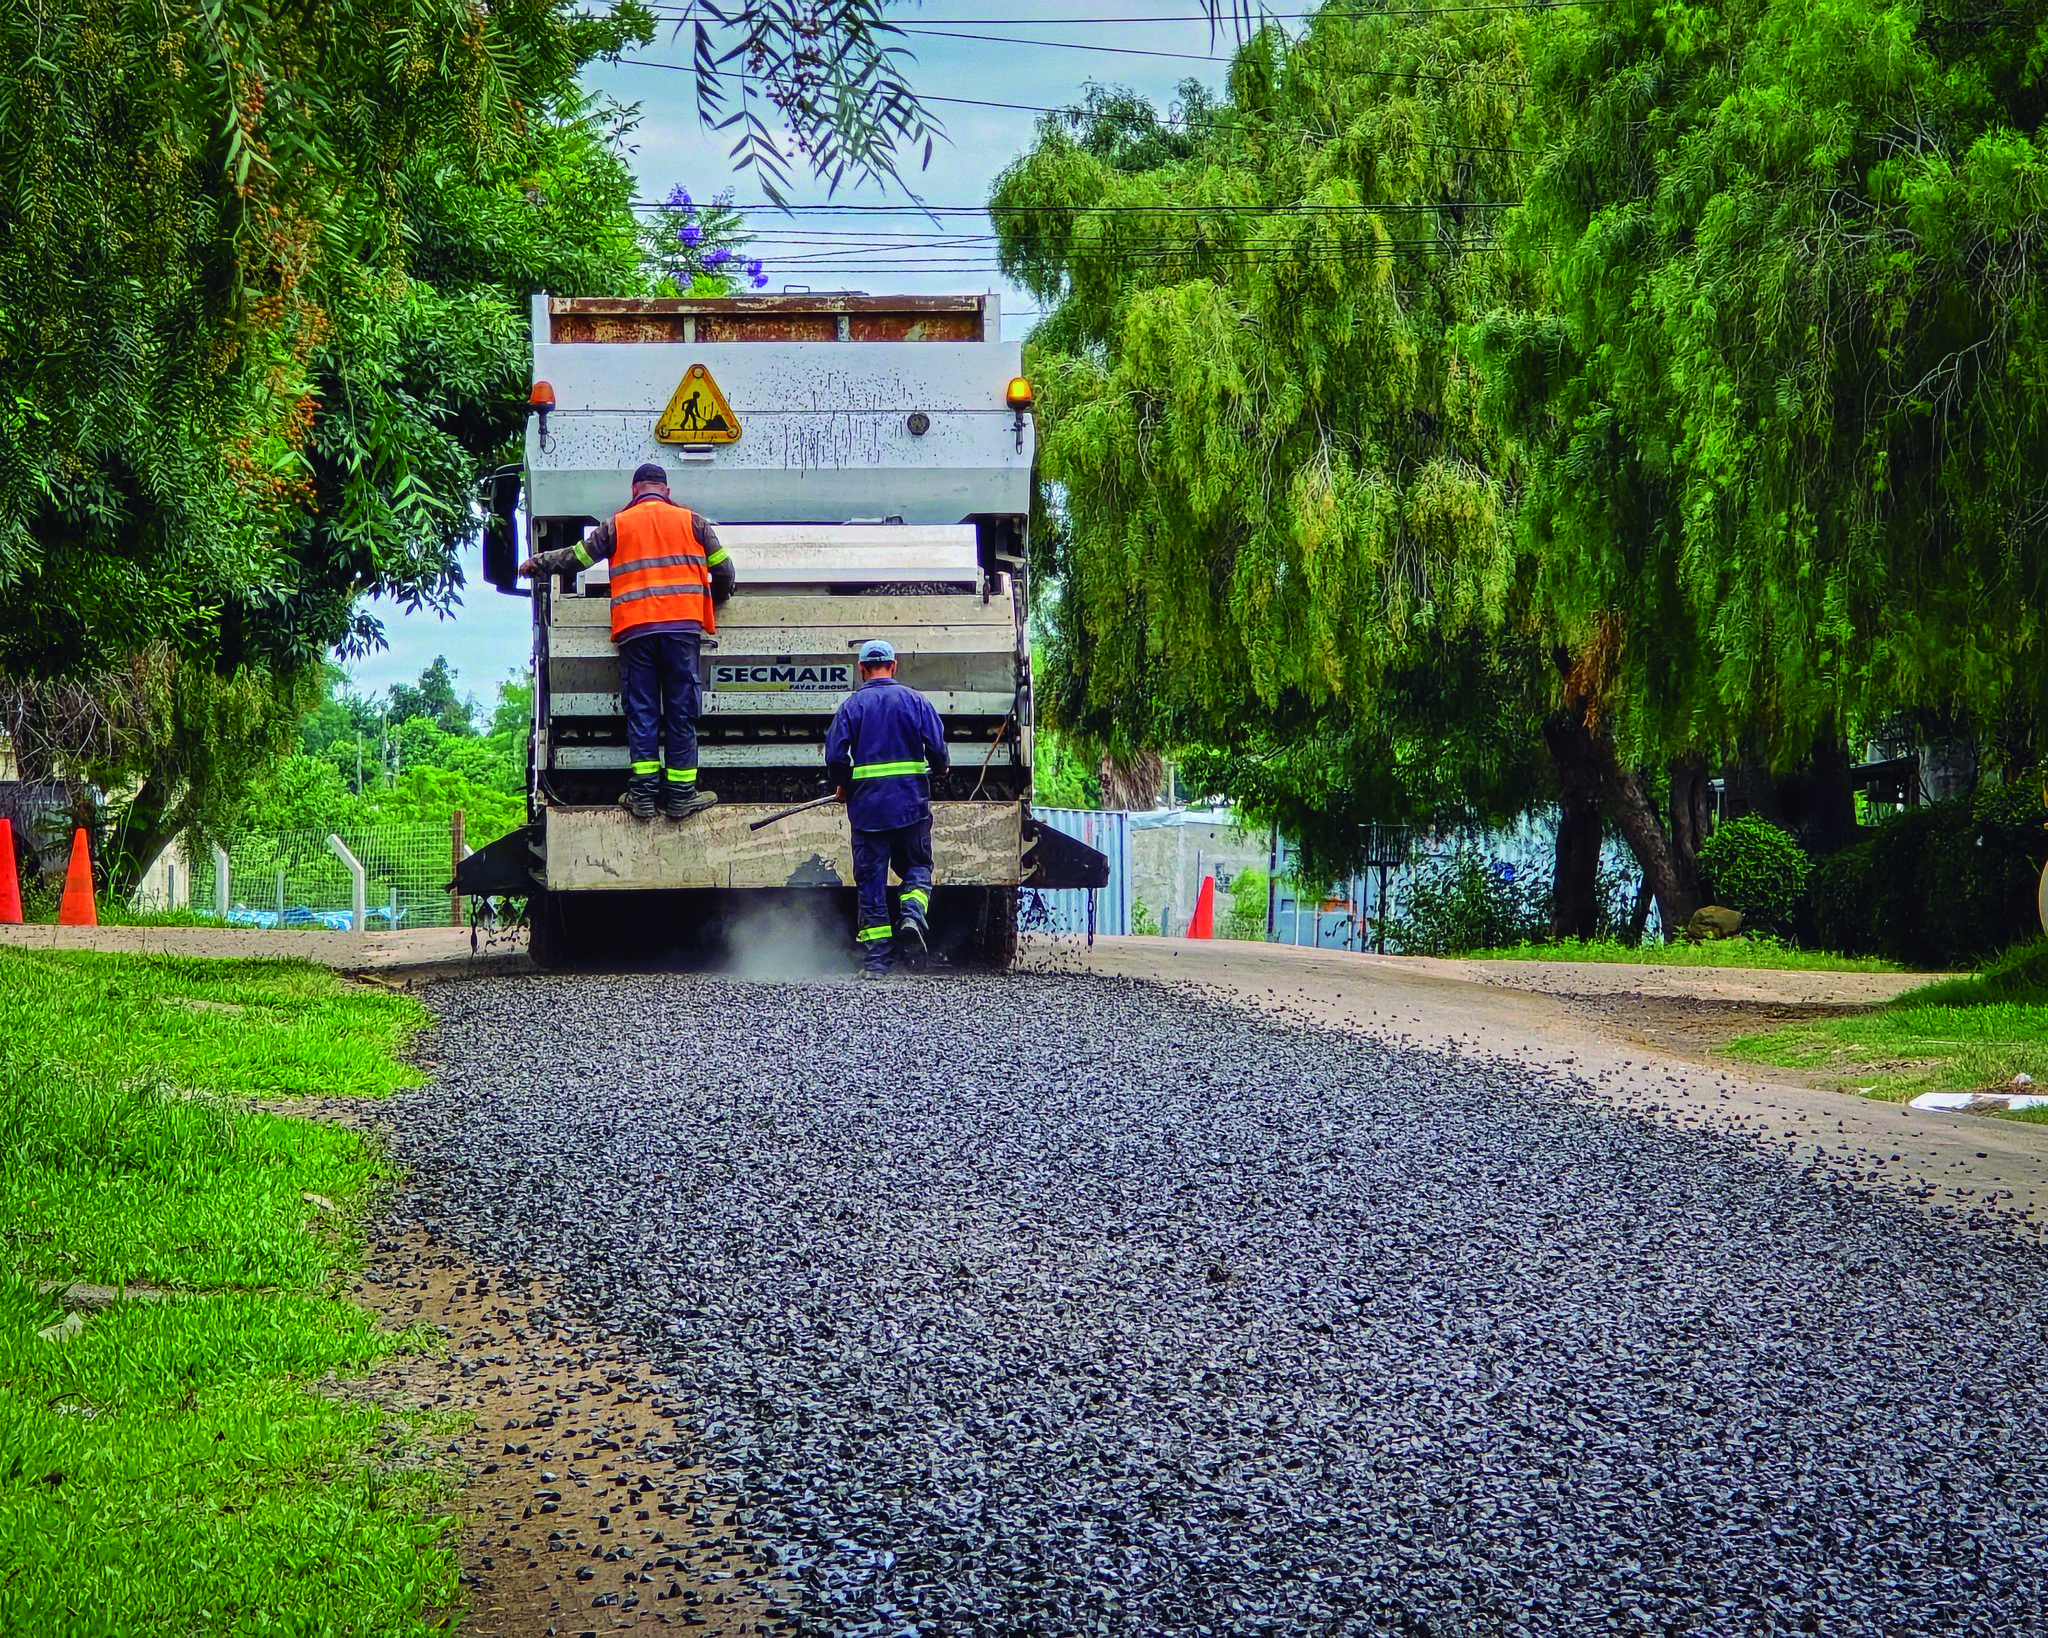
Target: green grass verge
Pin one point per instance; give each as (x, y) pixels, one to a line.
(1727, 952)
(267, 1029)
(1955, 1035)
(170, 1469)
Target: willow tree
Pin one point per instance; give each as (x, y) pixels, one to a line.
(1782, 387)
(263, 282)
(1281, 529)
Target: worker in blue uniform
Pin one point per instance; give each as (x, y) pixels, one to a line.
(885, 745)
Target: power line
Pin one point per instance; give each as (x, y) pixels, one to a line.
(763, 79)
(1144, 256)
(1205, 57)
(667, 13)
(886, 236)
(1102, 210)
(1076, 45)
(1162, 249)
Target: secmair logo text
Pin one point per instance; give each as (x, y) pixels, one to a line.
(828, 678)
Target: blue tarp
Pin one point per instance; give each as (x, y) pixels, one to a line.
(337, 921)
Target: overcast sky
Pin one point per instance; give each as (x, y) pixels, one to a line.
(488, 637)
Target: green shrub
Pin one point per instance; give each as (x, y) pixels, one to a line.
(1246, 916)
(1754, 867)
(1469, 901)
(1837, 915)
(1946, 885)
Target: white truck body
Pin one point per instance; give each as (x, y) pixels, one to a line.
(870, 476)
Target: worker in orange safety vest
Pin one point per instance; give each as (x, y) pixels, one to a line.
(669, 574)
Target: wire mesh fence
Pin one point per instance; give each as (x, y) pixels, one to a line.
(294, 879)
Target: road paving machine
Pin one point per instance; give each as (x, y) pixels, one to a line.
(867, 462)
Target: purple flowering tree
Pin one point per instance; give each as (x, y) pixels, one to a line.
(693, 249)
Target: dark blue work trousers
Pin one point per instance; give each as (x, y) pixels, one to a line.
(658, 684)
(908, 850)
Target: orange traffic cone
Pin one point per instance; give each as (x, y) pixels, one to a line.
(10, 877)
(1204, 924)
(76, 908)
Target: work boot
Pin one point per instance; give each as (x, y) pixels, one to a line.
(912, 933)
(917, 954)
(679, 801)
(642, 796)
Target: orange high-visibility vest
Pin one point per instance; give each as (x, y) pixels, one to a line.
(658, 570)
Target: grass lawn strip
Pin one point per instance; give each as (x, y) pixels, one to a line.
(1957, 1035)
(1764, 953)
(167, 1469)
(262, 1028)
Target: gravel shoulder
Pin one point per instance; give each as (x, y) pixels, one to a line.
(1621, 1045)
(1767, 986)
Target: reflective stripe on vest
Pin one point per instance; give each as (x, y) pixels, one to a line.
(658, 571)
(890, 770)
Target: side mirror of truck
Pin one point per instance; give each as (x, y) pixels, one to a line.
(499, 492)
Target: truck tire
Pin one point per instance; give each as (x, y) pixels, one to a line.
(998, 943)
(547, 932)
(979, 927)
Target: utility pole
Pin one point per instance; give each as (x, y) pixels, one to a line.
(1272, 880)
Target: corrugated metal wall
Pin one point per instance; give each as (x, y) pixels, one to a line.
(1109, 834)
(1345, 917)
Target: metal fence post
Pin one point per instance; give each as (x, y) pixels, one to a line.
(358, 885)
(455, 852)
(220, 882)
(1272, 884)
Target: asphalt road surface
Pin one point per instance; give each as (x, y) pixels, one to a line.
(1053, 1305)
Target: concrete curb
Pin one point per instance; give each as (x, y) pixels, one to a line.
(405, 975)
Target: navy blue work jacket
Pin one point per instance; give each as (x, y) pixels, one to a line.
(885, 742)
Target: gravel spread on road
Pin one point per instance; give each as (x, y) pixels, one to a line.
(1065, 1305)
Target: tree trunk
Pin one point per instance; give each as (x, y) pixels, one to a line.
(1672, 882)
(1831, 798)
(1818, 801)
(146, 829)
(1133, 783)
(1692, 803)
(1754, 789)
(1575, 882)
(1668, 862)
(1639, 917)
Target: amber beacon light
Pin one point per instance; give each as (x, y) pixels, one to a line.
(1018, 397)
(542, 402)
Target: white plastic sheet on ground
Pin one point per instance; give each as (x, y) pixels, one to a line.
(1978, 1103)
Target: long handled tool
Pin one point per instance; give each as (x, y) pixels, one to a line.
(790, 813)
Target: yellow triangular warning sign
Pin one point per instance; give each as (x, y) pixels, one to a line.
(698, 413)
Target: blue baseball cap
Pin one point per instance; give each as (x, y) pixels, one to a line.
(877, 652)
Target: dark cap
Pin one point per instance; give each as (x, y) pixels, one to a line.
(649, 472)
